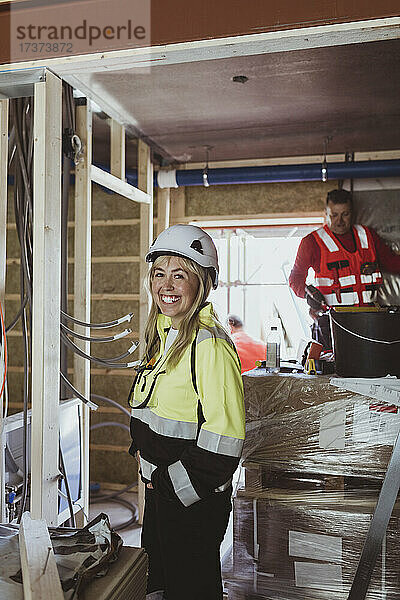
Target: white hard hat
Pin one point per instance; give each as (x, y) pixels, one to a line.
(188, 241)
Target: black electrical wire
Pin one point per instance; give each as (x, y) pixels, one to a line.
(17, 316)
(23, 208)
(123, 319)
(116, 493)
(109, 424)
(67, 488)
(114, 496)
(78, 394)
(132, 507)
(64, 261)
(107, 363)
(110, 338)
(113, 402)
(25, 448)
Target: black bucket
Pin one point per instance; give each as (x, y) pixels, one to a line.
(359, 343)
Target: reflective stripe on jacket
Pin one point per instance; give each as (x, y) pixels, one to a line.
(190, 442)
(347, 278)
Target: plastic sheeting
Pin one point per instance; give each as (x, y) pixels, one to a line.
(269, 395)
(314, 459)
(291, 545)
(352, 437)
(80, 555)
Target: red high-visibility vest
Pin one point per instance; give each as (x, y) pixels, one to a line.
(347, 278)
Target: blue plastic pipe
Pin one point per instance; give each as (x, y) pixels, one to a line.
(368, 169)
(284, 173)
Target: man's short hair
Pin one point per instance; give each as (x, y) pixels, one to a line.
(339, 197)
(235, 321)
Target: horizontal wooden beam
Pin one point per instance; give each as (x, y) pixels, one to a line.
(108, 448)
(253, 217)
(93, 371)
(290, 160)
(115, 486)
(100, 223)
(118, 297)
(95, 260)
(118, 186)
(302, 38)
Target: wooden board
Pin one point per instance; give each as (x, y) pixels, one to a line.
(39, 569)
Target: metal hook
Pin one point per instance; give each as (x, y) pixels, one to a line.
(76, 144)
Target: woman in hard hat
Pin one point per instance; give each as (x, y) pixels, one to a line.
(187, 420)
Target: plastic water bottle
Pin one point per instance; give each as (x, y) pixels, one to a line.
(273, 354)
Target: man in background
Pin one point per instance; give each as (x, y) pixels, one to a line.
(347, 261)
(249, 350)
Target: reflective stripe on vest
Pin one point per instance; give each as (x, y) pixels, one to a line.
(362, 235)
(323, 281)
(328, 241)
(348, 280)
(348, 299)
(371, 278)
(224, 487)
(219, 444)
(340, 275)
(327, 281)
(182, 485)
(146, 468)
(163, 426)
(367, 296)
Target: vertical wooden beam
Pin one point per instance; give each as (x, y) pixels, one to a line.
(46, 299)
(117, 150)
(40, 576)
(82, 280)
(3, 256)
(163, 209)
(145, 183)
(177, 205)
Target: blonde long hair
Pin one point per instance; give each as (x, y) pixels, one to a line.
(190, 323)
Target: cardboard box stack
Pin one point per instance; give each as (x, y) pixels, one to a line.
(314, 462)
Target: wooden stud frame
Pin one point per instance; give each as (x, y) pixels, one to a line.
(46, 299)
(3, 257)
(178, 206)
(117, 162)
(82, 282)
(145, 183)
(117, 185)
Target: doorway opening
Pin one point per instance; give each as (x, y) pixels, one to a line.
(255, 263)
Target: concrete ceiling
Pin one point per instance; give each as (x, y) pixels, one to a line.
(291, 102)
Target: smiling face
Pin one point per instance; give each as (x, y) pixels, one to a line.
(338, 217)
(173, 288)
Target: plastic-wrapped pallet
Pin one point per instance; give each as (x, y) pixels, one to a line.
(284, 393)
(348, 437)
(291, 545)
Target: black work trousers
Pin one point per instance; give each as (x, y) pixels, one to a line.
(183, 545)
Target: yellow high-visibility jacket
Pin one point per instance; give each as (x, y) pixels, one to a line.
(189, 423)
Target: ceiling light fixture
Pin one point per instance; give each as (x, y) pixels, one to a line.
(205, 170)
(324, 166)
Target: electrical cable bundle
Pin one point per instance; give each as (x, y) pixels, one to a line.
(21, 143)
(21, 156)
(114, 496)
